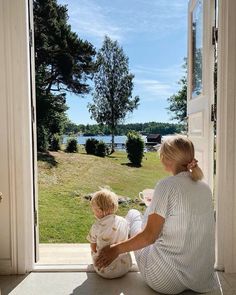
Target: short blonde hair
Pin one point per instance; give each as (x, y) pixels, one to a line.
(180, 150)
(105, 200)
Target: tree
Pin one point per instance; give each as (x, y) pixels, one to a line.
(178, 101)
(63, 63)
(112, 98)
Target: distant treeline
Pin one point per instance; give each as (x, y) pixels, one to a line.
(123, 129)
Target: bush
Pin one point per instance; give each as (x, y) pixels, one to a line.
(135, 148)
(101, 149)
(55, 143)
(90, 146)
(71, 146)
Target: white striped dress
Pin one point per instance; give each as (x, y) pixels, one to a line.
(183, 255)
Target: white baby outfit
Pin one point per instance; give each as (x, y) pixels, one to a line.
(109, 230)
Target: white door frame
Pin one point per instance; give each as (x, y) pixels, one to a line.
(17, 90)
(226, 139)
(16, 95)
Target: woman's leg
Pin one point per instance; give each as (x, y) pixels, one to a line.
(134, 218)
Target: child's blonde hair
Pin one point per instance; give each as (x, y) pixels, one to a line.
(105, 200)
(180, 150)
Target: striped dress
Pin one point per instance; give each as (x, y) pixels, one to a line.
(183, 256)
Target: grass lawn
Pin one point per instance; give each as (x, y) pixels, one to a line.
(64, 179)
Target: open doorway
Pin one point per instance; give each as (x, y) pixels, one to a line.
(67, 180)
(64, 208)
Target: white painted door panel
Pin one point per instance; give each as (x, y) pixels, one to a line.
(201, 83)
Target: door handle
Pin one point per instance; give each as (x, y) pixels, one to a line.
(1, 197)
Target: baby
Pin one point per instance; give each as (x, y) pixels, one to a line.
(108, 229)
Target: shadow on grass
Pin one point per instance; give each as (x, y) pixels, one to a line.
(131, 165)
(47, 157)
(112, 157)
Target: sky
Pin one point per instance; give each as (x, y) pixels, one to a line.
(152, 33)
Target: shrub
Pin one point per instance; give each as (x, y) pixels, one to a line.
(135, 148)
(90, 146)
(71, 146)
(55, 143)
(101, 149)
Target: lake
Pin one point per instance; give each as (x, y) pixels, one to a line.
(119, 139)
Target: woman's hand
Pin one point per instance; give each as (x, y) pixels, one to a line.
(106, 256)
(143, 239)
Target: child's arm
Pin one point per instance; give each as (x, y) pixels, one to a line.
(93, 247)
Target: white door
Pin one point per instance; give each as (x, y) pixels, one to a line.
(201, 21)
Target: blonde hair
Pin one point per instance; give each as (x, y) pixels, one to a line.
(105, 200)
(180, 150)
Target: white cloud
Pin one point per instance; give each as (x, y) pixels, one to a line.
(158, 18)
(88, 19)
(172, 73)
(152, 90)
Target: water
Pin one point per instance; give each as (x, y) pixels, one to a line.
(119, 139)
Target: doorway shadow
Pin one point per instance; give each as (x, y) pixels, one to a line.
(9, 283)
(130, 284)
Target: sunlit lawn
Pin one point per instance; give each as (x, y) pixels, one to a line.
(64, 179)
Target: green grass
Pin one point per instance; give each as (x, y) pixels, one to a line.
(64, 179)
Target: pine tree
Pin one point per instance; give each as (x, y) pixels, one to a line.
(63, 63)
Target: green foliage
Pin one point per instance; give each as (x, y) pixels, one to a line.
(112, 98)
(42, 140)
(90, 146)
(63, 62)
(72, 146)
(101, 149)
(123, 129)
(50, 116)
(71, 128)
(135, 148)
(95, 147)
(55, 144)
(178, 101)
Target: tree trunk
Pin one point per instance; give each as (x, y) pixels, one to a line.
(112, 141)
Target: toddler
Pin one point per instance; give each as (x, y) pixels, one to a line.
(108, 229)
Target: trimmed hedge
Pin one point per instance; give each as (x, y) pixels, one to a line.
(135, 148)
(72, 146)
(55, 144)
(95, 147)
(100, 149)
(90, 146)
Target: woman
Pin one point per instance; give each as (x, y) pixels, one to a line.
(174, 241)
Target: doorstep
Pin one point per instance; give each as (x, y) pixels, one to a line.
(68, 257)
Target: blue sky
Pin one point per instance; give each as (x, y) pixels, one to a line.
(153, 34)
